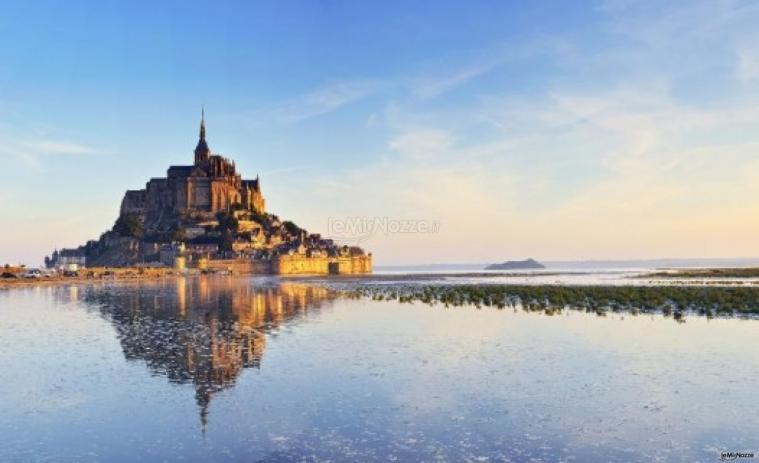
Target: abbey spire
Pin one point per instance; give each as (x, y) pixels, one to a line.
(202, 123)
(202, 151)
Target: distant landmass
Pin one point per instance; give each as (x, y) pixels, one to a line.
(516, 265)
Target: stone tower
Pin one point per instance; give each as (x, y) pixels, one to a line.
(202, 151)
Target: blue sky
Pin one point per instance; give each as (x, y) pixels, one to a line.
(557, 130)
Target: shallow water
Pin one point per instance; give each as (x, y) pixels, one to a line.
(238, 369)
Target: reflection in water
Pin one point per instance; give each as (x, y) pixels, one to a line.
(363, 381)
(205, 332)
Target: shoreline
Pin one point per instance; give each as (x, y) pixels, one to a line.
(676, 301)
(718, 277)
(96, 275)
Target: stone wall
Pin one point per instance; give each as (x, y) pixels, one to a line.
(302, 265)
(239, 266)
(296, 265)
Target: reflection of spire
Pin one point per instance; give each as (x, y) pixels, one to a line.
(203, 398)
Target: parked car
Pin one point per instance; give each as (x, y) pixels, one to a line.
(33, 273)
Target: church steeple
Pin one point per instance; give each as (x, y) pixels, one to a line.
(202, 151)
(202, 123)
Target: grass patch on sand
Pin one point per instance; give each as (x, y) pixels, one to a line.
(551, 299)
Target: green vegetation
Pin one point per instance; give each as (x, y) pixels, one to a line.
(669, 300)
(228, 226)
(258, 217)
(749, 272)
(292, 229)
(227, 221)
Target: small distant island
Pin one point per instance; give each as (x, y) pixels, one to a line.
(516, 265)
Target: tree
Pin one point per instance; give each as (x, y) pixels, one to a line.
(228, 226)
(227, 221)
(258, 217)
(178, 233)
(292, 229)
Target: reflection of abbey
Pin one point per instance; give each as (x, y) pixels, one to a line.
(207, 217)
(203, 332)
(210, 185)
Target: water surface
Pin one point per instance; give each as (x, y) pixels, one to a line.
(260, 369)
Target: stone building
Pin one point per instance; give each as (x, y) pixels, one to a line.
(210, 185)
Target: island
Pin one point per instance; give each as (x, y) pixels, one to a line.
(516, 265)
(206, 216)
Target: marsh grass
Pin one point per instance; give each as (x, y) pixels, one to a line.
(740, 272)
(671, 301)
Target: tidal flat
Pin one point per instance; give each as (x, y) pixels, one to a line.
(266, 369)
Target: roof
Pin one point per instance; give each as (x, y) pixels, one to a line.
(202, 147)
(182, 171)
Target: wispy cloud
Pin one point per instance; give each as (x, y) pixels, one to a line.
(334, 96)
(433, 87)
(49, 147)
(284, 170)
(31, 152)
(422, 144)
(326, 99)
(748, 64)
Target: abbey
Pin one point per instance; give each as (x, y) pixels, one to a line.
(205, 217)
(210, 185)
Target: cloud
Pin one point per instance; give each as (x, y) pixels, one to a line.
(29, 153)
(662, 25)
(334, 96)
(326, 99)
(48, 147)
(748, 65)
(433, 87)
(371, 121)
(422, 144)
(627, 171)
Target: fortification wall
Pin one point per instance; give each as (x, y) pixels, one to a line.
(301, 265)
(294, 265)
(239, 266)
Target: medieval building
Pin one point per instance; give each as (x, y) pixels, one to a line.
(210, 185)
(205, 216)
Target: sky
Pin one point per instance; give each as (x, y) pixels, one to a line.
(474, 131)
